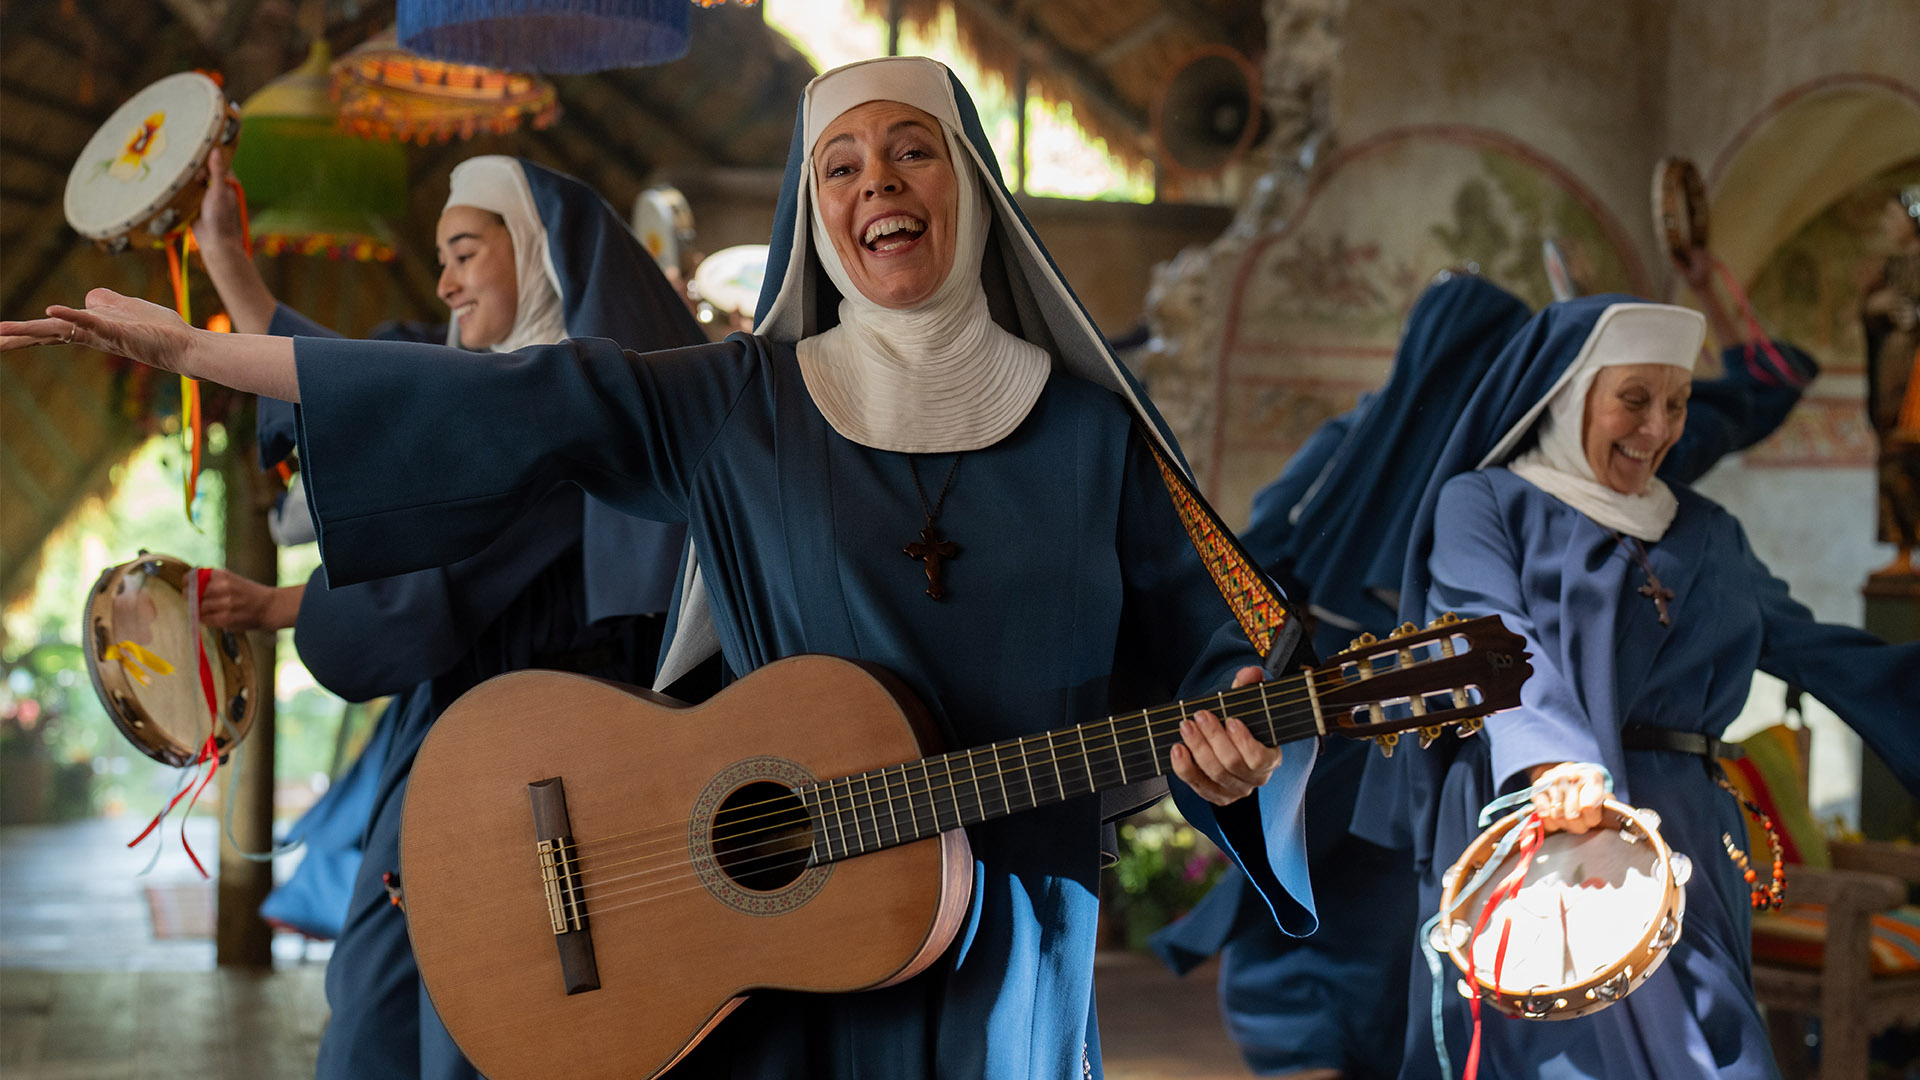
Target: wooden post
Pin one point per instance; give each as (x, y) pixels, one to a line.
(242, 937)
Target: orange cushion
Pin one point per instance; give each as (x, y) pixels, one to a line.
(1797, 935)
(1769, 775)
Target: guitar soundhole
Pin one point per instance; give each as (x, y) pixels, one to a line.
(762, 837)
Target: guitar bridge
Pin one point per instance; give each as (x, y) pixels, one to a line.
(559, 876)
(561, 883)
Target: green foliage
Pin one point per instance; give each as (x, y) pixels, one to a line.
(1164, 867)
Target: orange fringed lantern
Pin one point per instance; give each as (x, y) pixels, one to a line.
(385, 92)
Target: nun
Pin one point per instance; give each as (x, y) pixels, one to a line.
(1333, 528)
(1646, 614)
(921, 378)
(529, 256)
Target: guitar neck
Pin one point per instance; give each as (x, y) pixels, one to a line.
(865, 812)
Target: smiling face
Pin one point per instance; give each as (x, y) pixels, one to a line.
(1635, 413)
(889, 200)
(477, 275)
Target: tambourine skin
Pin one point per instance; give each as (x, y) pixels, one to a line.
(142, 659)
(139, 180)
(1679, 206)
(1644, 927)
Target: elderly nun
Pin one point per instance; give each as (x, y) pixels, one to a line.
(1646, 613)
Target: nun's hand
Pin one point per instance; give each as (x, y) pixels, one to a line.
(233, 602)
(111, 323)
(1220, 759)
(217, 230)
(1568, 795)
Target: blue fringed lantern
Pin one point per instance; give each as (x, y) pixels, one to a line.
(566, 37)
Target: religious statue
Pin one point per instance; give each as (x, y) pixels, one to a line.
(1891, 311)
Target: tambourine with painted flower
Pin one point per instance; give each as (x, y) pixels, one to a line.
(139, 180)
(170, 683)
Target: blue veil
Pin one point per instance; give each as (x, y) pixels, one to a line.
(1352, 524)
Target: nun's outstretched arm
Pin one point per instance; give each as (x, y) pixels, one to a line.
(420, 455)
(155, 336)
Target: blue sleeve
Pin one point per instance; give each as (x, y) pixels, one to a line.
(419, 455)
(1476, 567)
(382, 636)
(274, 426)
(1742, 407)
(1873, 686)
(1270, 523)
(1175, 621)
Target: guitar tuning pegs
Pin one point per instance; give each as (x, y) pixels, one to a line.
(1386, 743)
(1364, 639)
(1446, 619)
(1403, 630)
(1429, 734)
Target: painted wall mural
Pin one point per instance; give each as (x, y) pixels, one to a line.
(1318, 304)
(1810, 292)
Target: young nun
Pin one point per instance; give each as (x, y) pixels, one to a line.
(1334, 528)
(529, 256)
(1646, 614)
(920, 367)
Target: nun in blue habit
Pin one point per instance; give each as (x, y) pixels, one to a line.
(1646, 614)
(1334, 528)
(919, 366)
(569, 584)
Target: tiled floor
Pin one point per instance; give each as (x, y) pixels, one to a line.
(87, 992)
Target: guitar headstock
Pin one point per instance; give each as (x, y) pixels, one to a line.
(1454, 672)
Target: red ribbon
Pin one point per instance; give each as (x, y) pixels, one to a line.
(209, 754)
(1534, 833)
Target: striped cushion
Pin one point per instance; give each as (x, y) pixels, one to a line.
(1770, 774)
(1797, 935)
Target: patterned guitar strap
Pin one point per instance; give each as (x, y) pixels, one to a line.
(1268, 618)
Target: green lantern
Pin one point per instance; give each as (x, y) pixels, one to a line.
(312, 188)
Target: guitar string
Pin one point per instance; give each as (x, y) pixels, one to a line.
(1238, 696)
(1009, 758)
(1004, 764)
(1177, 707)
(787, 850)
(1032, 761)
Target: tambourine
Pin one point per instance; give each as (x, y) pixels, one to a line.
(142, 656)
(1679, 206)
(729, 280)
(1595, 915)
(140, 178)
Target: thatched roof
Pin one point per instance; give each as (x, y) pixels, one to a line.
(66, 64)
(1108, 58)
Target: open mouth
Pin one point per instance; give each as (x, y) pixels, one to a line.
(893, 233)
(1642, 456)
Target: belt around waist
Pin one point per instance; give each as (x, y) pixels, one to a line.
(1648, 737)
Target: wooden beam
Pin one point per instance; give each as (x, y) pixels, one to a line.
(1159, 22)
(658, 124)
(90, 115)
(234, 23)
(1042, 49)
(619, 151)
(45, 430)
(13, 148)
(199, 16)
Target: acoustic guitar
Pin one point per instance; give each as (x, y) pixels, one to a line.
(594, 875)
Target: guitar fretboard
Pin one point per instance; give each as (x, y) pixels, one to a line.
(865, 812)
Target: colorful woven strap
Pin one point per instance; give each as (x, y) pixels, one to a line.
(1261, 611)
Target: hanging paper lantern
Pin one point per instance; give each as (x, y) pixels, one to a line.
(567, 37)
(385, 92)
(314, 189)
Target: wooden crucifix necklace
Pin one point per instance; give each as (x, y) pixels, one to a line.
(1653, 590)
(931, 549)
